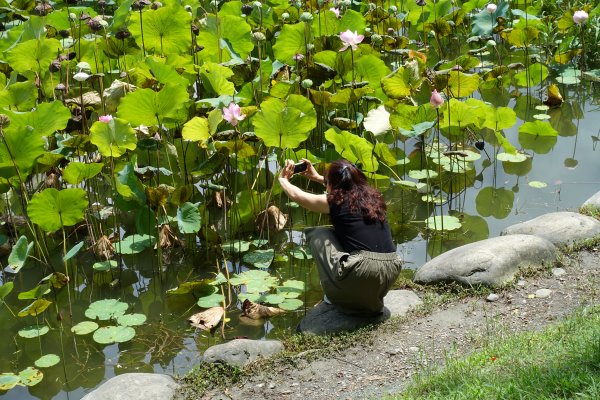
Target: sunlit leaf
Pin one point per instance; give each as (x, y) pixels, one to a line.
(160, 34)
(47, 361)
(113, 334)
(188, 218)
(33, 331)
(73, 251)
(84, 327)
(134, 244)
(5, 289)
(225, 38)
(77, 172)
(52, 209)
(131, 319)
(35, 308)
(537, 184)
(259, 258)
(443, 223)
(30, 376)
(19, 254)
(147, 107)
(196, 130)
(106, 309)
(8, 381)
(213, 300)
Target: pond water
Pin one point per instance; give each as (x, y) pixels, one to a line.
(166, 343)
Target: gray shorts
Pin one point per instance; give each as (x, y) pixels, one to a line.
(356, 282)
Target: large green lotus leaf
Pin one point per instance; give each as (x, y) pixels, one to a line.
(353, 20)
(103, 266)
(532, 76)
(538, 128)
(114, 334)
(165, 30)
(496, 202)
(505, 143)
(398, 84)
(134, 244)
(77, 172)
(113, 138)
(522, 37)
(248, 206)
(8, 381)
(52, 209)
(5, 289)
(20, 148)
(500, 118)
(539, 143)
(131, 319)
(188, 218)
(372, 69)
(165, 73)
(47, 361)
(106, 309)
(457, 114)
(483, 22)
(260, 258)
(20, 96)
(35, 308)
(84, 327)
(46, 119)
(353, 148)
(33, 55)
(291, 41)
(326, 24)
(459, 84)
(225, 38)
(442, 223)
(256, 281)
(215, 79)
(19, 254)
(33, 331)
(213, 300)
(285, 124)
(291, 289)
(147, 107)
(196, 130)
(30, 376)
(128, 185)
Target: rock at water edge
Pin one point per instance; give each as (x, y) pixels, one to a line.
(240, 352)
(133, 386)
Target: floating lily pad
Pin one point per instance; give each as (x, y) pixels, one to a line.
(214, 300)
(260, 258)
(541, 117)
(131, 319)
(134, 244)
(422, 174)
(47, 361)
(516, 158)
(256, 281)
(537, 184)
(106, 309)
(84, 327)
(290, 304)
(102, 266)
(291, 289)
(33, 331)
(114, 334)
(8, 381)
(273, 298)
(30, 376)
(236, 246)
(443, 222)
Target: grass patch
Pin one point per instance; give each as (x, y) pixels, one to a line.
(562, 361)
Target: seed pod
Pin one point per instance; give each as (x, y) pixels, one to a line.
(122, 35)
(246, 9)
(54, 66)
(4, 121)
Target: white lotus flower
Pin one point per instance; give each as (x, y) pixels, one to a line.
(81, 76)
(377, 121)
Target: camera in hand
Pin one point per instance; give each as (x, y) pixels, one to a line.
(300, 167)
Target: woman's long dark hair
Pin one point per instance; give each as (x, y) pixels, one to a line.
(348, 184)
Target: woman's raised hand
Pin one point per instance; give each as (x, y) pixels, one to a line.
(288, 170)
(311, 173)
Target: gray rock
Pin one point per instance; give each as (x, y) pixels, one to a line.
(240, 352)
(492, 297)
(490, 262)
(558, 271)
(325, 318)
(133, 386)
(542, 293)
(399, 302)
(560, 228)
(593, 201)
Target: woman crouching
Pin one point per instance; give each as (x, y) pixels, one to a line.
(356, 259)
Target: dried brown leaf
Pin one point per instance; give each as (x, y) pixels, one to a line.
(256, 311)
(208, 319)
(274, 219)
(103, 248)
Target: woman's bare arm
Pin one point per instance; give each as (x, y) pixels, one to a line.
(312, 202)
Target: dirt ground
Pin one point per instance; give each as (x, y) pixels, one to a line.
(402, 348)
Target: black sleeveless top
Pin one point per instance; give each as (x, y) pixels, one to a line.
(354, 233)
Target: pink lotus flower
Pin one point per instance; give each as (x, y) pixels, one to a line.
(436, 99)
(298, 57)
(491, 8)
(580, 17)
(350, 39)
(105, 118)
(233, 114)
(336, 11)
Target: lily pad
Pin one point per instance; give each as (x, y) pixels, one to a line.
(84, 327)
(114, 334)
(260, 258)
(47, 361)
(33, 331)
(134, 244)
(52, 209)
(30, 376)
(106, 309)
(290, 304)
(102, 266)
(236, 246)
(443, 223)
(8, 381)
(131, 319)
(537, 184)
(256, 281)
(214, 300)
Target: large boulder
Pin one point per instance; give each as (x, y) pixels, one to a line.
(560, 228)
(593, 201)
(325, 318)
(490, 262)
(240, 352)
(134, 386)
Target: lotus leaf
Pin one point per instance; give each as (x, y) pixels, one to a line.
(256, 281)
(188, 218)
(114, 334)
(84, 327)
(196, 130)
(19, 254)
(533, 76)
(259, 258)
(33, 331)
(47, 361)
(113, 138)
(291, 289)
(200, 288)
(46, 119)
(226, 32)
(500, 118)
(52, 209)
(215, 79)
(353, 148)
(5, 289)
(35, 308)
(213, 300)
(33, 55)
(538, 128)
(422, 174)
(131, 319)
(73, 251)
(292, 40)
(102, 266)
(164, 73)
(483, 22)
(236, 246)
(371, 69)
(150, 108)
(8, 381)
(541, 144)
(537, 184)
(285, 124)
(400, 83)
(290, 304)
(20, 95)
(30, 376)
(443, 223)
(77, 172)
(496, 202)
(35, 293)
(160, 35)
(106, 309)
(273, 298)
(18, 153)
(134, 244)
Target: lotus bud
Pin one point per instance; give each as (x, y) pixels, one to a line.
(258, 37)
(491, 43)
(310, 47)
(491, 8)
(346, 3)
(60, 86)
(257, 4)
(102, 3)
(393, 10)
(390, 31)
(298, 5)
(306, 17)
(72, 16)
(64, 33)
(156, 5)
(421, 3)
(4, 121)
(376, 39)
(122, 35)
(285, 16)
(307, 83)
(436, 99)
(372, 6)
(246, 9)
(81, 77)
(298, 57)
(54, 66)
(580, 17)
(94, 24)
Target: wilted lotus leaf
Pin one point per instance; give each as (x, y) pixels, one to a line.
(35, 308)
(56, 280)
(206, 320)
(167, 239)
(8, 381)
(103, 248)
(258, 311)
(88, 99)
(30, 376)
(113, 94)
(554, 96)
(272, 218)
(197, 288)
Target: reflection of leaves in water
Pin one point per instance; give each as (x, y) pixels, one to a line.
(474, 228)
